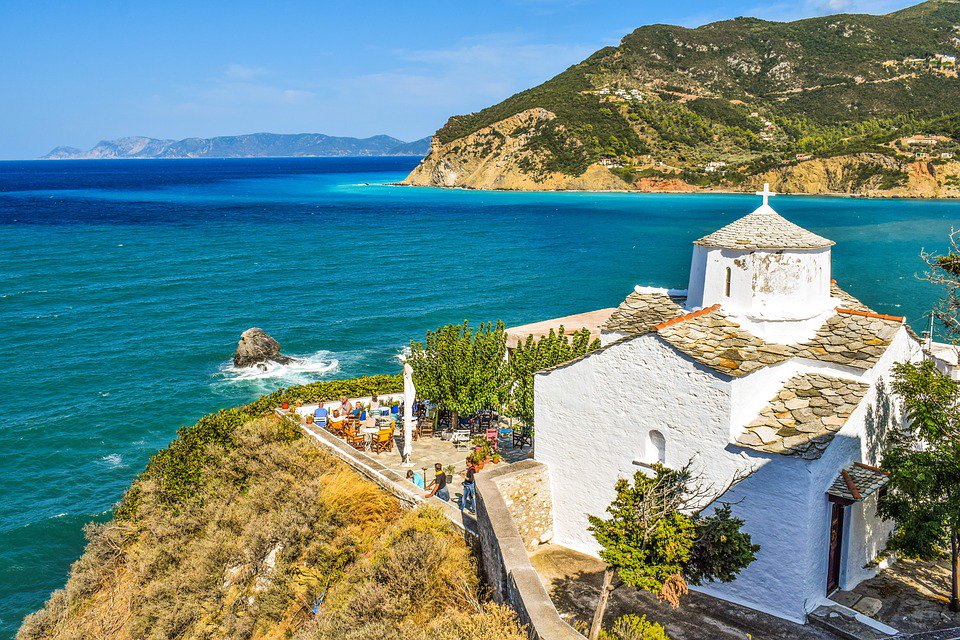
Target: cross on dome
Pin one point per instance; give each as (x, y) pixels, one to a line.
(766, 193)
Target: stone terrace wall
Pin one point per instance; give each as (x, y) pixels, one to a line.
(504, 550)
(527, 496)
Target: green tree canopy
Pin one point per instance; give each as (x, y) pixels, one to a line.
(923, 460)
(462, 369)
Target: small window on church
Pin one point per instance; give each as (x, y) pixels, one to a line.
(729, 274)
(657, 451)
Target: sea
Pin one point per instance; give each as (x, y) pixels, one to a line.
(125, 285)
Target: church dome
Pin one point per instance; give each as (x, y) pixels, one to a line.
(765, 270)
(763, 229)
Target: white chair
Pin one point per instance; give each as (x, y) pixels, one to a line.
(461, 439)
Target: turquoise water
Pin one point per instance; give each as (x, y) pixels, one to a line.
(125, 286)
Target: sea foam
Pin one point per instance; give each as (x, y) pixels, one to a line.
(304, 369)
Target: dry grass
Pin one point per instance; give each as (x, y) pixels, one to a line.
(280, 524)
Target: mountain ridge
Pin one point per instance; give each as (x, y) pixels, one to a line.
(727, 104)
(253, 145)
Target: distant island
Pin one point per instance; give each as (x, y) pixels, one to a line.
(845, 104)
(253, 145)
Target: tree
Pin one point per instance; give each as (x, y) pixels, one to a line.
(656, 540)
(923, 462)
(944, 271)
(462, 369)
(631, 627)
(530, 357)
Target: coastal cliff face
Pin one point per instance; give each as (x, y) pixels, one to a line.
(501, 156)
(867, 175)
(243, 528)
(845, 104)
(498, 157)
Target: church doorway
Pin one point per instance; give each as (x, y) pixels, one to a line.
(836, 547)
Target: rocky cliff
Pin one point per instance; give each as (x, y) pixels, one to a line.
(501, 157)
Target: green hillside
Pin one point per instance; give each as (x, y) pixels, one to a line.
(749, 94)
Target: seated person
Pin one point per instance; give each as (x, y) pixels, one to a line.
(336, 420)
(415, 478)
(346, 407)
(320, 415)
(374, 404)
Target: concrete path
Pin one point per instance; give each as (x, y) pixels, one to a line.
(574, 580)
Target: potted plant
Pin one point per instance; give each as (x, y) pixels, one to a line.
(496, 458)
(309, 418)
(449, 470)
(285, 406)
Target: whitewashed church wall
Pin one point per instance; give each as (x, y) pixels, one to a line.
(594, 420)
(775, 505)
(868, 534)
(698, 270)
(774, 285)
(860, 440)
(789, 285)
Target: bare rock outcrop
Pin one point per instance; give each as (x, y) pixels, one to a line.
(257, 347)
(500, 157)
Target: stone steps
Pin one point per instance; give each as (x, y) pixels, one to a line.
(843, 623)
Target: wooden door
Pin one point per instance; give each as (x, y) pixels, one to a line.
(836, 547)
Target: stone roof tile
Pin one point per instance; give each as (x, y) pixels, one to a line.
(763, 229)
(858, 481)
(849, 339)
(804, 416)
(639, 312)
(715, 340)
(848, 300)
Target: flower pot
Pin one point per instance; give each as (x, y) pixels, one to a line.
(309, 419)
(285, 405)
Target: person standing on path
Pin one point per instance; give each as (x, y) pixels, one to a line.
(468, 500)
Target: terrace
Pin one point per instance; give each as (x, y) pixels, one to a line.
(429, 446)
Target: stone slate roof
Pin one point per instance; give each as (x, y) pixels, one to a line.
(715, 340)
(858, 481)
(763, 229)
(804, 416)
(851, 339)
(639, 312)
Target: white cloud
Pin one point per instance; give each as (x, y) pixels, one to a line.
(412, 93)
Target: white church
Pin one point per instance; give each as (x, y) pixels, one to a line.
(762, 364)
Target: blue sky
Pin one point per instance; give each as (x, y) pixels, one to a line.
(74, 73)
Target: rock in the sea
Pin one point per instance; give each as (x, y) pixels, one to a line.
(256, 347)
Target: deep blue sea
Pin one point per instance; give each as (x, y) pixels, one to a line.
(124, 286)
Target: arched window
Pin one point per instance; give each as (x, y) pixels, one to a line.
(729, 274)
(656, 447)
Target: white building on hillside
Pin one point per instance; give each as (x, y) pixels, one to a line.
(762, 364)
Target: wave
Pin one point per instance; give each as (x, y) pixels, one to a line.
(113, 460)
(304, 369)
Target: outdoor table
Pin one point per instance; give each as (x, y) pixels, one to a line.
(368, 433)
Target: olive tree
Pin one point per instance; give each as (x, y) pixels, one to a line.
(923, 462)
